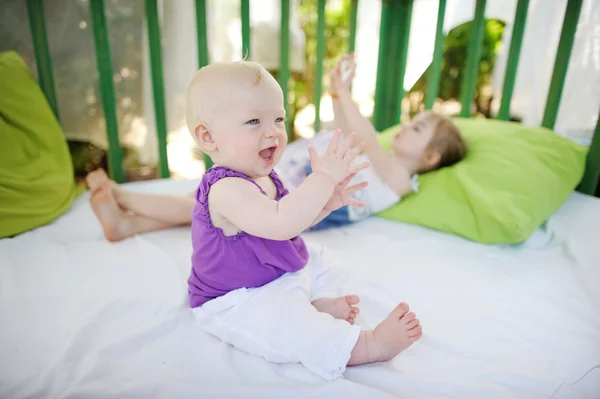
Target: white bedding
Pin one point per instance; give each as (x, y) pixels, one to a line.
(84, 318)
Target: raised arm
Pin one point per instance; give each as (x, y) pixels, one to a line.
(244, 206)
(348, 114)
(257, 214)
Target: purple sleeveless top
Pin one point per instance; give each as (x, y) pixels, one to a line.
(221, 264)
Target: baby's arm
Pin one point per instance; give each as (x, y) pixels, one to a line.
(384, 163)
(322, 215)
(348, 117)
(244, 206)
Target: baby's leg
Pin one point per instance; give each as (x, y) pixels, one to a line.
(393, 335)
(325, 282)
(170, 210)
(277, 322)
(116, 224)
(342, 307)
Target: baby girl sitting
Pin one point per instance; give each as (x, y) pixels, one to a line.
(254, 283)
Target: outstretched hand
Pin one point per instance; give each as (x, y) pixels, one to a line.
(342, 194)
(336, 162)
(340, 77)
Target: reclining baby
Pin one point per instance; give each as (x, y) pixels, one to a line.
(254, 283)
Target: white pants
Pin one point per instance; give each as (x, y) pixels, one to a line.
(278, 322)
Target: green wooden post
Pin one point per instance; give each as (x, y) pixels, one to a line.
(383, 65)
(513, 59)
(391, 62)
(104, 65)
(561, 64)
(435, 69)
(319, 66)
(156, 67)
(353, 19)
(43, 60)
(469, 80)
(405, 13)
(201, 33)
(202, 43)
(284, 58)
(589, 183)
(245, 16)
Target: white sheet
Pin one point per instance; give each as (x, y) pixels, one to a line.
(82, 317)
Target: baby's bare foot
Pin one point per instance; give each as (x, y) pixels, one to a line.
(109, 214)
(396, 333)
(341, 308)
(393, 335)
(95, 179)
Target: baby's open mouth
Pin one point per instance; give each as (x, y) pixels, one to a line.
(268, 153)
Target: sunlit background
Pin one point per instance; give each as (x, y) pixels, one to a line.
(81, 113)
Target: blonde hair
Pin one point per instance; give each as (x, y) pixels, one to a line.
(446, 141)
(202, 94)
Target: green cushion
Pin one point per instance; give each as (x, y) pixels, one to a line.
(36, 174)
(512, 180)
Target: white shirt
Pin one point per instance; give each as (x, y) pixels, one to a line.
(377, 196)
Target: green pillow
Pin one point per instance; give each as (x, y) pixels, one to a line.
(37, 183)
(512, 180)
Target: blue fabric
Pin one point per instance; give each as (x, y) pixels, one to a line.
(337, 218)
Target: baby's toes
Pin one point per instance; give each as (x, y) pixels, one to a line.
(352, 299)
(355, 310)
(412, 324)
(408, 317)
(352, 316)
(415, 331)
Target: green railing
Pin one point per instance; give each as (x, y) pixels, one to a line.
(393, 48)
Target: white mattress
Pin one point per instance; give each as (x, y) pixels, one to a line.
(81, 317)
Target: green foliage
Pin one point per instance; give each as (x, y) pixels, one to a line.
(337, 32)
(76, 76)
(454, 58)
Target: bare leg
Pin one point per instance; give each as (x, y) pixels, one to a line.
(393, 335)
(169, 209)
(341, 308)
(166, 208)
(116, 224)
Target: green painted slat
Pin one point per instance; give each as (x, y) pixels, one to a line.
(435, 70)
(154, 41)
(245, 16)
(383, 67)
(469, 80)
(353, 19)
(589, 183)
(202, 43)
(405, 15)
(104, 66)
(513, 59)
(283, 73)
(561, 64)
(43, 60)
(319, 66)
(391, 63)
(201, 33)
